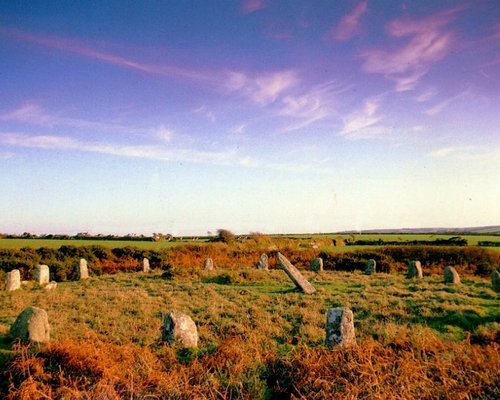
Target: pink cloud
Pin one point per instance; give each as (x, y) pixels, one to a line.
(349, 24)
(77, 47)
(263, 88)
(250, 6)
(428, 42)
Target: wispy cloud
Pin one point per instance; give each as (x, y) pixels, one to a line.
(426, 95)
(357, 123)
(147, 151)
(84, 50)
(163, 133)
(428, 42)
(468, 153)
(34, 114)
(349, 25)
(251, 6)
(315, 104)
(439, 107)
(206, 112)
(226, 157)
(262, 88)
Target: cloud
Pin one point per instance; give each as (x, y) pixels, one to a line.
(227, 157)
(439, 107)
(164, 134)
(306, 108)
(426, 95)
(238, 130)
(356, 123)
(262, 88)
(468, 153)
(146, 151)
(251, 6)
(428, 42)
(203, 110)
(349, 24)
(78, 47)
(34, 114)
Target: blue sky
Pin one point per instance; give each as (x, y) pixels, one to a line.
(256, 115)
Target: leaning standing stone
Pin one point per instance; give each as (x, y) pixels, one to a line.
(495, 280)
(83, 271)
(263, 262)
(451, 275)
(13, 280)
(209, 264)
(145, 265)
(42, 274)
(340, 327)
(294, 274)
(32, 325)
(414, 270)
(371, 267)
(180, 329)
(317, 264)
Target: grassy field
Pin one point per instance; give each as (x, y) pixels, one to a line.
(56, 243)
(259, 338)
(305, 239)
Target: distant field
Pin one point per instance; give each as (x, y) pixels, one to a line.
(56, 243)
(148, 245)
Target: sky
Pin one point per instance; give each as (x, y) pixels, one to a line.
(289, 116)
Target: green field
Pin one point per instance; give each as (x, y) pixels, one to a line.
(305, 239)
(56, 243)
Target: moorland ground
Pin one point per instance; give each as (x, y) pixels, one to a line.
(259, 337)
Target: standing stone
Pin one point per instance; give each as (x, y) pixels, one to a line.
(414, 270)
(263, 262)
(50, 286)
(32, 325)
(145, 265)
(340, 327)
(209, 264)
(495, 280)
(13, 280)
(83, 271)
(180, 329)
(371, 267)
(451, 275)
(317, 264)
(294, 274)
(42, 274)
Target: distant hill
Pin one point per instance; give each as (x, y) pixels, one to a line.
(479, 230)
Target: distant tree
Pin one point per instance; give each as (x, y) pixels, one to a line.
(225, 236)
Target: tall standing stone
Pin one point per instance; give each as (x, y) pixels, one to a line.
(42, 274)
(145, 265)
(451, 275)
(371, 267)
(340, 327)
(263, 262)
(209, 264)
(180, 329)
(317, 264)
(13, 280)
(414, 270)
(495, 280)
(32, 325)
(82, 271)
(294, 274)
